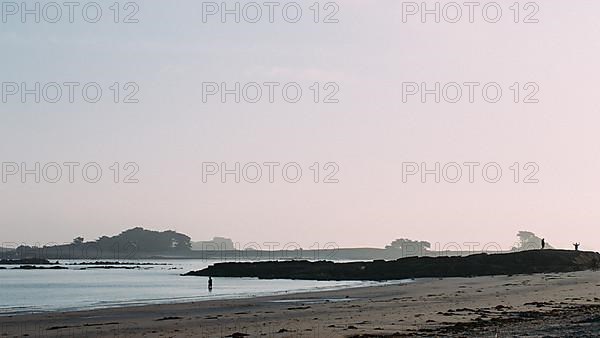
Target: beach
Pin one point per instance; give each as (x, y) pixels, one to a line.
(559, 304)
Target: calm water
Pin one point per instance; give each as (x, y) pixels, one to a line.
(25, 291)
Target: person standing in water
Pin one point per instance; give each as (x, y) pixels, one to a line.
(209, 283)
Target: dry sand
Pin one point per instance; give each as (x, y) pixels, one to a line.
(566, 304)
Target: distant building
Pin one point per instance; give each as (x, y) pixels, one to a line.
(217, 244)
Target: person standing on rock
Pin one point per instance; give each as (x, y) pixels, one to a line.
(576, 245)
(543, 243)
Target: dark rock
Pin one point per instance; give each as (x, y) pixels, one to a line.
(168, 318)
(33, 267)
(26, 261)
(524, 262)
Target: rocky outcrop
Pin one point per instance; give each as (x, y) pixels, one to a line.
(525, 262)
(26, 261)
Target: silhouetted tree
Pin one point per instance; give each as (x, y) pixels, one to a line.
(529, 241)
(409, 247)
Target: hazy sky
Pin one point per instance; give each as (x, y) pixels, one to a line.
(369, 133)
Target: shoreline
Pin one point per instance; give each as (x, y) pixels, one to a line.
(429, 307)
(189, 300)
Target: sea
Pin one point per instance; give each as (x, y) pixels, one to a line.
(85, 286)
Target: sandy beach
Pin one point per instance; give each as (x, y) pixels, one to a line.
(534, 305)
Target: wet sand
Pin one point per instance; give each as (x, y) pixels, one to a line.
(565, 304)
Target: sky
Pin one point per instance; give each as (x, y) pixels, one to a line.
(170, 130)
